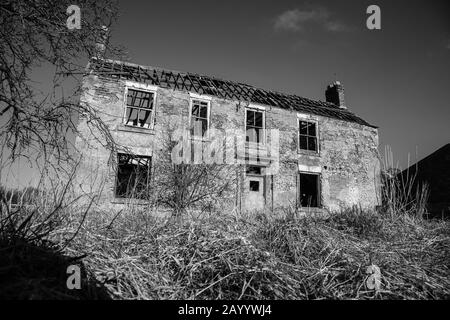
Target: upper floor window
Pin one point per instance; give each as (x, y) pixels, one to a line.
(308, 135)
(199, 117)
(139, 108)
(254, 126)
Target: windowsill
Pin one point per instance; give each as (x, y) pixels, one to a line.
(127, 128)
(309, 152)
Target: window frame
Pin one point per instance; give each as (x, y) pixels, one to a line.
(208, 117)
(253, 182)
(319, 189)
(316, 123)
(143, 88)
(149, 174)
(254, 177)
(263, 111)
(261, 170)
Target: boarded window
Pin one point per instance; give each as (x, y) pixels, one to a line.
(309, 190)
(254, 126)
(308, 136)
(139, 108)
(254, 186)
(199, 118)
(133, 176)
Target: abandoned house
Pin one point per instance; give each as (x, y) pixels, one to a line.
(327, 156)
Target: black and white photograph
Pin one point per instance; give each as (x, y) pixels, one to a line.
(225, 157)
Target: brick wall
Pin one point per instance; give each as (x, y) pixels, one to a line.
(347, 159)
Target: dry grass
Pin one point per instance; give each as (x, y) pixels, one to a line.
(33, 260)
(133, 255)
(223, 257)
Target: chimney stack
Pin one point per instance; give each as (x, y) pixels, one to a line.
(335, 94)
(101, 41)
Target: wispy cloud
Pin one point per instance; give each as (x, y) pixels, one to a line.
(296, 20)
(337, 26)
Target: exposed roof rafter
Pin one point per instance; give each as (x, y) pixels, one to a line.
(220, 88)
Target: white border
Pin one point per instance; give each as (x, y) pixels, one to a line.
(307, 116)
(313, 169)
(199, 96)
(140, 85)
(141, 151)
(256, 106)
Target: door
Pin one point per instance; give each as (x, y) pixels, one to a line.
(254, 189)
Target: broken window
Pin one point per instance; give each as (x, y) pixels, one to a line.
(199, 118)
(309, 190)
(254, 126)
(133, 176)
(308, 136)
(139, 108)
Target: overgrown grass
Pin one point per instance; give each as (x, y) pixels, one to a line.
(224, 257)
(34, 257)
(134, 255)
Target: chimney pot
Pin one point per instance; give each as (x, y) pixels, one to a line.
(102, 41)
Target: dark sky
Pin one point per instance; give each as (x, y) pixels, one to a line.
(396, 78)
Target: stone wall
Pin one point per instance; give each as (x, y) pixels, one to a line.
(347, 159)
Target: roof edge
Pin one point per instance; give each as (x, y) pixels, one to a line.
(319, 104)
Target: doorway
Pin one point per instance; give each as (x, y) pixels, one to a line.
(309, 190)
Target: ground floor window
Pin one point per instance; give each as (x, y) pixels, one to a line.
(254, 185)
(255, 177)
(133, 176)
(309, 190)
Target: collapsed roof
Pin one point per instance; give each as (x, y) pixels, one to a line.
(212, 86)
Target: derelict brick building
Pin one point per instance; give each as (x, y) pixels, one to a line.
(328, 156)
